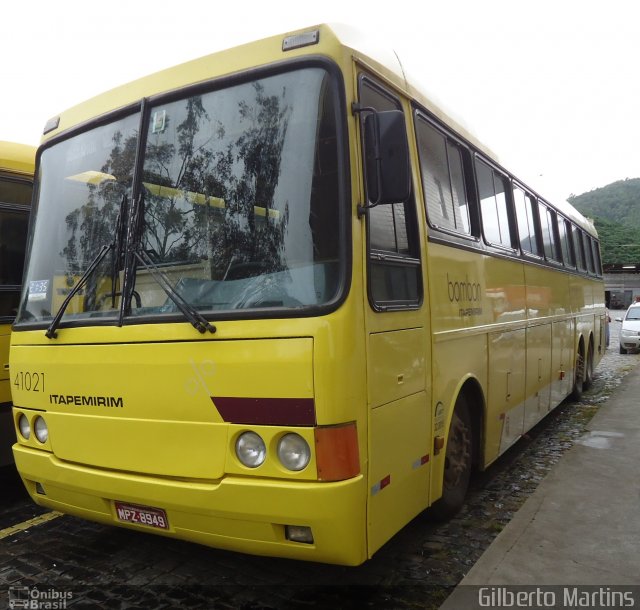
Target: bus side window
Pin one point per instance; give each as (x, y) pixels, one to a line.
(443, 179)
(14, 220)
(492, 190)
(589, 254)
(579, 249)
(596, 256)
(567, 252)
(548, 224)
(527, 227)
(394, 252)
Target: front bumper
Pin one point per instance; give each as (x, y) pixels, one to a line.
(234, 513)
(630, 342)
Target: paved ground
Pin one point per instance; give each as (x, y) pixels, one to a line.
(582, 524)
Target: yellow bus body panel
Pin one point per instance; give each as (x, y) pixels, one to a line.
(400, 439)
(17, 158)
(168, 447)
(239, 514)
(160, 399)
(5, 387)
(400, 468)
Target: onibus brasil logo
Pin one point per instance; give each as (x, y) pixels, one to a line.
(34, 598)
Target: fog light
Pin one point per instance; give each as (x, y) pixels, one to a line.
(250, 449)
(294, 452)
(40, 489)
(40, 429)
(298, 533)
(25, 428)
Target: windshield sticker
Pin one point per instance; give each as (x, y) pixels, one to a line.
(159, 121)
(38, 290)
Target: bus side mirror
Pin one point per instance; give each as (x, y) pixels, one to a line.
(387, 157)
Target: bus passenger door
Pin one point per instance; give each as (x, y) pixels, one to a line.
(398, 357)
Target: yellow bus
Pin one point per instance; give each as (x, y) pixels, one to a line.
(17, 163)
(277, 302)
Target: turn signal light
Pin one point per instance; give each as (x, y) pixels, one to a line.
(337, 455)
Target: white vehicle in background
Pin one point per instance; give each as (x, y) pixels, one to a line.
(630, 331)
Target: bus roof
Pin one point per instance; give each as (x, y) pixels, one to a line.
(341, 42)
(338, 41)
(17, 158)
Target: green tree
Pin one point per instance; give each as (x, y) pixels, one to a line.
(615, 210)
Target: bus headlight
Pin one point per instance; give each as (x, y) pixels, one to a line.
(40, 429)
(250, 449)
(294, 452)
(24, 427)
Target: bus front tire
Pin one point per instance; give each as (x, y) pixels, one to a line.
(458, 464)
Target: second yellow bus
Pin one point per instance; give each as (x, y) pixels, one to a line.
(17, 162)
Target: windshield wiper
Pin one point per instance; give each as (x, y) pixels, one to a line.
(116, 246)
(199, 322)
(116, 263)
(135, 252)
(134, 235)
(51, 331)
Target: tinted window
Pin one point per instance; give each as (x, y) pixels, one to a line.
(579, 248)
(525, 214)
(493, 203)
(394, 254)
(589, 253)
(15, 192)
(567, 253)
(547, 225)
(14, 220)
(442, 179)
(596, 256)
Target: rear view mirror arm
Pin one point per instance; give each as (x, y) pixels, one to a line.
(356, 109)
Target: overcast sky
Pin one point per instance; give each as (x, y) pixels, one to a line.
(552, 86)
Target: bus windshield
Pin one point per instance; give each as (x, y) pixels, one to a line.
(234, 201)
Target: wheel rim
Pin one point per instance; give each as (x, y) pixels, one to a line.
(458, 456)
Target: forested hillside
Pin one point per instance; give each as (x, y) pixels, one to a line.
(615, 209)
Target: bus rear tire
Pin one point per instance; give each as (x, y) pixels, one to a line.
(588, 371)
(578, 378)
(458, 464)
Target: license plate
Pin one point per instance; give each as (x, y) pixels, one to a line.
(142, 515)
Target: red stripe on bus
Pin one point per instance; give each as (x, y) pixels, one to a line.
(266, 411)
